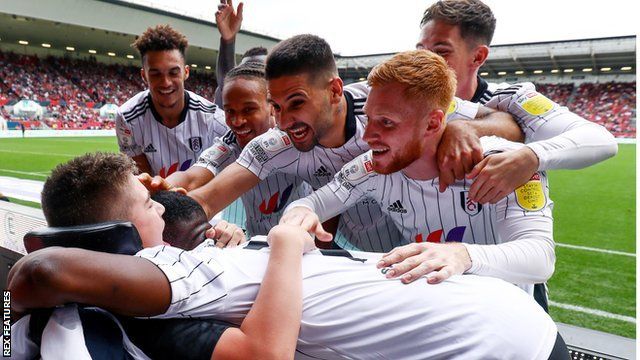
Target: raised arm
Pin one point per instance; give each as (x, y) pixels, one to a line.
(123, 284)
(229, 22)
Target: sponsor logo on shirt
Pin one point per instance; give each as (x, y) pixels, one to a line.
(531, 196)
(164, 172)
(322, 172)
(397, 207)
(150, 149)
(195, 143)
(469, 206)
(274, 205)
(258, 152)
(456, 234)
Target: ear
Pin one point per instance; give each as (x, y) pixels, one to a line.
(187, 70)
(480, 55)
(143, 75)
(336, 87)
(435, 121)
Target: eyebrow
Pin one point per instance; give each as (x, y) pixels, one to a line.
(297, 93)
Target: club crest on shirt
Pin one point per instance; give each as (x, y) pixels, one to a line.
(469, 206)
(531, 196)
(195, 143)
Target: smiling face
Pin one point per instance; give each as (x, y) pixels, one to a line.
(247, 111)
(165, 72)
(303, 108)
(395, 131)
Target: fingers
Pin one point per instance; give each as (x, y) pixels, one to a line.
(441, 275)
(399, 254)
(445, 178)
(477, 169)
(179, 190)
(322, 234)
(210, 233)
(239, 11)
(144, 178)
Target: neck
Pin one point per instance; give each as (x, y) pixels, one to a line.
(336, 135)
(170, 117)
(467, 86)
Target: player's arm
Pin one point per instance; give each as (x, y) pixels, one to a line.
(333, 199)
(459, 150)
(226, 187)
(556, 139)
(142, 163)
(190, 179)
(123, 284)
(228, 21)
(270, 330)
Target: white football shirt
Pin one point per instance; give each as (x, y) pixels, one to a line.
(351, 311)
(139, 131)
(521, 222)
(264, 204)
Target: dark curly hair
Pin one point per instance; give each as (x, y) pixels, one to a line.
(160, 38)
(475, 19)
(85, 189)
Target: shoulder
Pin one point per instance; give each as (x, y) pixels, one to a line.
(359, 90)
(513, 89)
(135, 106)
(459, 108)
(199, 104)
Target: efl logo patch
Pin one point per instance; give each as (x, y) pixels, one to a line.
(358, 167)
(469, 206)
(275, 141)
(530, 196)
(214, 154)
(195, 143)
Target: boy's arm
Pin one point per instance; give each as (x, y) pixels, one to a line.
(126, 285)
(270, 330)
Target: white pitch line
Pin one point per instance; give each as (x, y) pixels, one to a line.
(38, 153)
(24, 172)
(595, 312)
(605, 251)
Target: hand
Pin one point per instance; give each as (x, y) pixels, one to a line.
(226, 234)
(459, 150)
(158, 183)
(228, 19)
(440, 261)
(499, 174)
(289, 234)
(307, 220)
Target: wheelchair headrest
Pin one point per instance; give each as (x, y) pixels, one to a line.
(114, 237)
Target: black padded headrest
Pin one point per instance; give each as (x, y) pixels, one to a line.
(114, 237)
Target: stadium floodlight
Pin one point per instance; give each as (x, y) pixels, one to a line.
(362, 79)
(568, 70)
(92, 51)
(484, 73)
(23, 42)
(71, 48)
(45, 45)
(129, 56)
(605, 69)
(194, 65)
(502, 73)
(625, 68)
(537, 71)
(519, 72)
(208, 67)
(111, 54)
(555, 71)
(587, 70)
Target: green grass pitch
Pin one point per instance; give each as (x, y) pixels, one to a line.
(594, 208)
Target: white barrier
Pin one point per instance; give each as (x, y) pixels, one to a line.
(55, 133)
(15, 221)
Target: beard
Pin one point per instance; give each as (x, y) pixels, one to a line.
(400, 160)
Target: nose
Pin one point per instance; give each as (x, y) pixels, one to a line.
(159, 208)
(237, 120)
(369, 133)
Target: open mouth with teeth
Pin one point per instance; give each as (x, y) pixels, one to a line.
(242, 132)
(379, 150)
(299, 133)
(166, 92)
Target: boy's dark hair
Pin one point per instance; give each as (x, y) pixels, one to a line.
(180, 210)
(255, 51)
(252, 70)
(87, 190)
(301, 54)
(475, 19)
(160, 38)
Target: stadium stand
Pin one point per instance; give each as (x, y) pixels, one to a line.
(72, 91)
